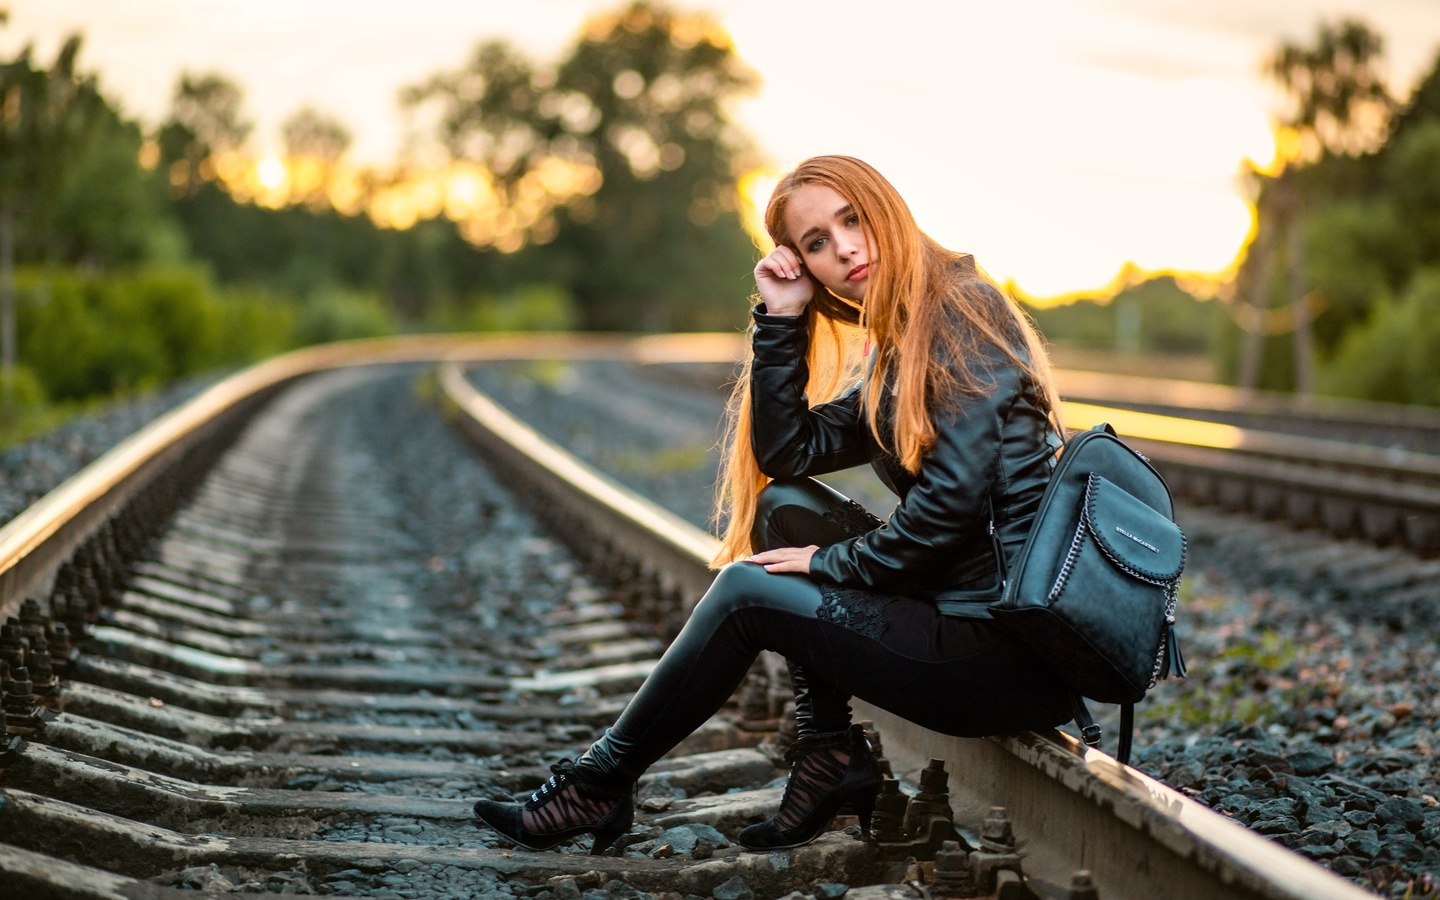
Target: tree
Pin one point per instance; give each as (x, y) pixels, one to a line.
(1395, 355)
(1341, 105)
(1349, 227)
(71, 186)
(1340, 111)
(314, 144)
(622, 161)
(40, 112)
(205, 121)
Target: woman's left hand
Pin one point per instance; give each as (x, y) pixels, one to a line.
(786, 559)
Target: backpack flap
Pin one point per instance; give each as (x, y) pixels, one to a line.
(1139, 540)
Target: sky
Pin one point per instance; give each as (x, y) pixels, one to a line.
(1058, 140)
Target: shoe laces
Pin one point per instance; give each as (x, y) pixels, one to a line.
(563, 772)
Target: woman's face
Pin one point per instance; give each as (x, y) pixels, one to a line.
(835, 247)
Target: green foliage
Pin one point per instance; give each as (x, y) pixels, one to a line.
(339, 315)
(1395, 355)
(86, 335)
(24, 407)
(1360, 255)
(1155, 315)
(536, 307)
(1341, 103)
(205, 119)
(642, 99)
(70, 176)
(133, 276)
(25, 410)
(1227, 690)
(1412, 170)
(254, 324)
(1355, 251)
(1367, 203)
(302, 252)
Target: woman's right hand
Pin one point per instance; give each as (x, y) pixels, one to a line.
(783, 284)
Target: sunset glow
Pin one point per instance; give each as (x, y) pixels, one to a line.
(1057, 140)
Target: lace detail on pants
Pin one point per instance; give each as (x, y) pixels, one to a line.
(852, 518)
(860, 611)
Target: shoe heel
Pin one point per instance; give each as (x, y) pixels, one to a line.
(603, 840)
(864, 808)
(617, 822)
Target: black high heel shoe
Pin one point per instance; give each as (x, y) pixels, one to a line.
(566, 806)
(821, 781)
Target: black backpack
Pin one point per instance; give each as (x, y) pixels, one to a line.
(1095, 585)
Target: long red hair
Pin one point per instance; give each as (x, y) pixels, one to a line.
(923, 305)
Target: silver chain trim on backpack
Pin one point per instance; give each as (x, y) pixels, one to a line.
(1074, 553)
(1171, 585)
(1172, 597)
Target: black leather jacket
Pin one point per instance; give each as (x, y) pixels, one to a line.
(937, 543)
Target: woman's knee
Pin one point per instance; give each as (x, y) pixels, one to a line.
(732, 589)
(806, 493)
(746, 585)
(795, 512)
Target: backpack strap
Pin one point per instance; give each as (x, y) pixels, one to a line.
(1127, 732)
(1002, 571)
(1089, 731)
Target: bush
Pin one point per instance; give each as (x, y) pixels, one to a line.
(94, 335)
(25, 411)
(1395, 355)
(1155, 316)
(339, 315)
(254, 324)
(1355, 251)
(1413, 176)
(530, 308)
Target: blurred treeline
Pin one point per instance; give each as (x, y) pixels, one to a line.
(1337, 290)
(1141, 315)
(1341, 283)
(597, 191)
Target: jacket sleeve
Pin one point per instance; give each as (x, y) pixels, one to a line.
(790, 439)
(943, 511)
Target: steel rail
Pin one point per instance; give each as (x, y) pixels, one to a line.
(1075, 807)
(1222, 400)
(44, 539)
(38, 540)
(1385, 495)
(1100, 806)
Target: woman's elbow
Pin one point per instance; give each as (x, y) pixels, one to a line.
(775, 473)
(778, 466)
(772, 462)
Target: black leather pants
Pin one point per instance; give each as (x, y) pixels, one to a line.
(798, 513)
(954, 675)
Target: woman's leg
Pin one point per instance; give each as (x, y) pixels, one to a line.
(959, 676)
(789, 513)
(798, 513)
(693, 679)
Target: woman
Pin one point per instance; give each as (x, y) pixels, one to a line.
(955, 414)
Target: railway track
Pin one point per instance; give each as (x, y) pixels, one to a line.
(1345, 468)
(310, 630)
(1386, 426)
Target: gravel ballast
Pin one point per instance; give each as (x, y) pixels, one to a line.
(1309, 713)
